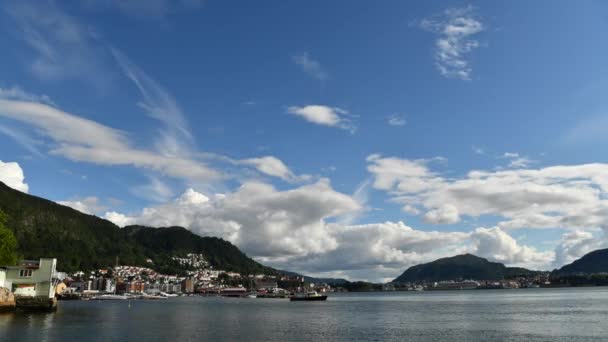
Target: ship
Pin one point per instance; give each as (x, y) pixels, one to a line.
(308, 296)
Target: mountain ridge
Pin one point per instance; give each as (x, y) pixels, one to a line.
(80, 241)
(463, 266)
(591, 263)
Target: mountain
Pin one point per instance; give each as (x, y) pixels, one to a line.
(161, 243)
(308, 279)
(85, 242)
(590, 263)
(465, 266)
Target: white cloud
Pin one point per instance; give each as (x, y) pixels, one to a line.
(88, 205)
(455, 27)
(497, 245)
(271, 166)
(12, 175)
(521, 162)
(324, 115)
(16, 93)
(310, 66)
(81, 139)
(265, 222)
(396, 120)
(571, 197)
(575, 244)
(119, 219)
(446, 214)
(517, 161)
(292, 229)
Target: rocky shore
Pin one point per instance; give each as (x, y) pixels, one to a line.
(7, 300)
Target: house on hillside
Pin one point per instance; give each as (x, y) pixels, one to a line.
(33, 278)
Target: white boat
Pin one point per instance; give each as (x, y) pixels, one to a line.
(110, 297)
(165, 294)
(146, 296)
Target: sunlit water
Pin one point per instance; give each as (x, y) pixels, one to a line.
(492, 315)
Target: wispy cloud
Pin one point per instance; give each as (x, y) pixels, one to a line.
(63, 47)
(517, 161)
(310, 66)
(455, 27)
(325, 116)
(158, 103)
(274, 167)
(478, 150)
(81, 139)
(16, 93)
(155, 190)
(396, 120)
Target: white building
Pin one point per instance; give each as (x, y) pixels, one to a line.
(33, 278)
(3, 277)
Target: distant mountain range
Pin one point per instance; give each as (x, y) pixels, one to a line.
(465, 266)
(85, 242)
(591, 263)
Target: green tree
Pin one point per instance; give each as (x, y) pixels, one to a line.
(8, 243)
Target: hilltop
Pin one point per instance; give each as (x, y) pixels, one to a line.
(591, 263)
(465, 266)
(44, 228)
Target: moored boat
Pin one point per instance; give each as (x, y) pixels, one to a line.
(308, 296)
(110, 297)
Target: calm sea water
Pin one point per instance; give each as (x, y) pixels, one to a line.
(501, 315)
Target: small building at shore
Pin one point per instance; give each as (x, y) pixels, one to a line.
(32, 278)
(2, 277)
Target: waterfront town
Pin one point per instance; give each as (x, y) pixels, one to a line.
(38, 285)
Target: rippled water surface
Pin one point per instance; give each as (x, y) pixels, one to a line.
(493, 315)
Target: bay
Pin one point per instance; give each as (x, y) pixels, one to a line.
(568, 314)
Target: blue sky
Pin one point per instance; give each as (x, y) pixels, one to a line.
(358, 138)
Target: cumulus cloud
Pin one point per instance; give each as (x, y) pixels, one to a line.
(570, 197)
(324, 115)
(297, 230)
(455, 27)
(12, 175)
(310, 66)
(88, 205)
(446, 214)
(496, 245)
(575, 244)
(263, 221)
